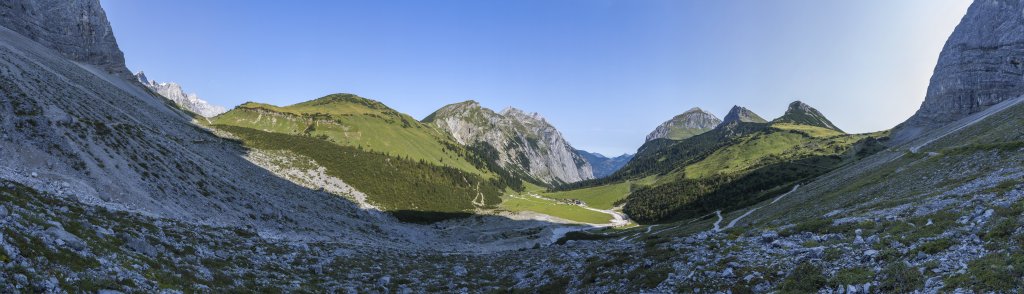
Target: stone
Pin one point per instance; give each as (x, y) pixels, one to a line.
(981, 65)
(459, 270)
(65, 238)
(384, 281)
(142, 247)
(741, 114)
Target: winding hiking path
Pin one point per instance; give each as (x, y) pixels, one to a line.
(732, 223)
(717, 222)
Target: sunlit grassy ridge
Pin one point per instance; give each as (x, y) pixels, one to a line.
(771, 147)
(351, 120)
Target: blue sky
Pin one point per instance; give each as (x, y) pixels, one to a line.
(604, 72)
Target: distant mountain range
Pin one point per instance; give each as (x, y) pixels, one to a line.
(190, 101)
(605, 166)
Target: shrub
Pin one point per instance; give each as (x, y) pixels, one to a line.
(900, 278)
(805, 278)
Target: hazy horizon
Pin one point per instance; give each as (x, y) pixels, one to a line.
(605, 73)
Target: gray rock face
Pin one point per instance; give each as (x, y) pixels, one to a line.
(691, 123)
(78, 29)
(981, 64)
(188, 101)
(524, 141)
(741, 114)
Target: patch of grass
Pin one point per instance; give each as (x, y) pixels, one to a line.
(553, 208)
(936, 246)
(600, 197)
(897, 277)
(581, 236)
(805, 278)
(991, 273)
(852, 276)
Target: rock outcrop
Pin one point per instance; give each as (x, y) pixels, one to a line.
(803, 114)
(524, 141)
(981, 64)
(173, 92)
(78, 29)
(741, 114)
(691, 123)
(604, 166)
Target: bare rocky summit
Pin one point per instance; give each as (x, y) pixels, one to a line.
(524, 141)
(688, 124)
(189, 101)
(981, 65)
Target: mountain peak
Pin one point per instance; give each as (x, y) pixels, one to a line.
(688, 124)
(742, 114)
(173, 92)
(801, 113)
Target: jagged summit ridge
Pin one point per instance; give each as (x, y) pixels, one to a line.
(801, 113)
(189, 101)
(981, 64)
(77, 29)
(688, 124)
(741, 114)
(524, 141)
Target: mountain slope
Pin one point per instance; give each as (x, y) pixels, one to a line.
(73, 129)
(688, 124)
(981, 64)
(604, 166)
(524, 142)
(190, 102)
(802, 114)
(350, 120)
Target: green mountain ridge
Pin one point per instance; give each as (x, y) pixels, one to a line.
(740, 162)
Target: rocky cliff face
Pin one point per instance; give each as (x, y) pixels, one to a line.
(524, 141)
(981, 64)
(691, 123)
(801, 113)
(78, 29)
(742, 114)
(188, 101)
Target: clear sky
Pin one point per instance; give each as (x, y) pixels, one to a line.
(604, 72)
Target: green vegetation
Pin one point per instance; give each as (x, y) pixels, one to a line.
(350, 120)
(813, 131)
(600, 197)
(805, 278)
(993, 273)
(852, 276)
(554, 208)
(424, 187)
(900, 278)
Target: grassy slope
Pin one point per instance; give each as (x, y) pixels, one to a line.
(349, 120)
(600, 197)
(766, 148)
(683, 133)
(430, 189)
